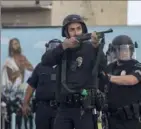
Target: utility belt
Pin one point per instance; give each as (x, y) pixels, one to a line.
(128, 112)
(52, 103)
(71, 101)
(79, 100)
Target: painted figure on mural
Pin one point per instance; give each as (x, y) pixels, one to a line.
(14, 74)
(15, 65)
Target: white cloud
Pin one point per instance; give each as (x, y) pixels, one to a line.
(4, 40)
(40, 44)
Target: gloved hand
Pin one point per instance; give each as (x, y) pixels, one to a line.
(104, 77)
(94, 39)
(70, 43)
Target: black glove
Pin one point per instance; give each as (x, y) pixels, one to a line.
(104, 77)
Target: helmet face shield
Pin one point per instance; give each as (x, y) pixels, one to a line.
(52, 45)
(123, 47)
(124, 52)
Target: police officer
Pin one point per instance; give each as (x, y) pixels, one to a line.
(81, 57)
(43, 80)
(123, 80)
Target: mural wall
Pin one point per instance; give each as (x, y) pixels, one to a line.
(33, 39)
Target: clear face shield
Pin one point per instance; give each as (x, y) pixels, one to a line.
(125, 52)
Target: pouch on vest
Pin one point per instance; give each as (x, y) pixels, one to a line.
(128, 112)
(136, 110)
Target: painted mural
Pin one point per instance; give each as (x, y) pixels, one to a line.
(33, 40)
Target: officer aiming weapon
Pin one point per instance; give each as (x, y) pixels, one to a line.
(88, 97)
(81, 38)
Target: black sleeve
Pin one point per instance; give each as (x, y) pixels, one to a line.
(101, 67)
(101, 85)
(53, 57)
(103, 62)
(33, 79)
(103, 80)
(137, 71)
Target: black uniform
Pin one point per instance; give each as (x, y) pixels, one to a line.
(123, 101)
(79, 76)
(43, 79)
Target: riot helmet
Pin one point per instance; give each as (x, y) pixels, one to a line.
(73, 18)
(123, 47)
(52, 44)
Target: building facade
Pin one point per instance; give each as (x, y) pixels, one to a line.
(51, 13)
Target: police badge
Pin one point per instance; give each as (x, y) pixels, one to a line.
(123, 73)
(79, 61)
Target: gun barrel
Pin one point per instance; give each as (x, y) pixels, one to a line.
(84, 37)
(88, 35)
(107, 31)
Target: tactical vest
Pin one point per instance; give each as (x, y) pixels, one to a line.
(120, 96)
(46, 83)
(79, 64)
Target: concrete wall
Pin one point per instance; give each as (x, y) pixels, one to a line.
(28, 17)
(23, 3)
(94, 12)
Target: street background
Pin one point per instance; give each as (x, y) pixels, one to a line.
(35, 22)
